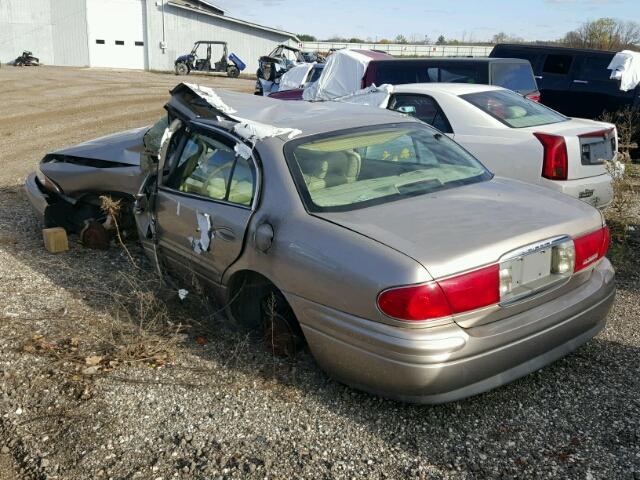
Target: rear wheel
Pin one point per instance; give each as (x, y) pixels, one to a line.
(182, 68)
(258, 305)
(233, 72)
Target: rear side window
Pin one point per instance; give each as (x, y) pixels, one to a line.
(512, 109)
(514, 76)
(595, 68)
(557, 64)
(422, 107)
(402, 73)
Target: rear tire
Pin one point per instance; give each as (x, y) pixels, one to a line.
(182, 68)
(233, 72)
(259, 306)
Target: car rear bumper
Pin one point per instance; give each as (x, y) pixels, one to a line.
(596, 191)
(447, 363)
(37, 198)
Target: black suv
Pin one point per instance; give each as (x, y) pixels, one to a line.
(573, 81)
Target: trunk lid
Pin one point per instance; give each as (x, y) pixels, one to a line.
(589, 145)
(467, 227)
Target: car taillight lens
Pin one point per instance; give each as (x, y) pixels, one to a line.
(555, 163)
(591, 247)
(457, 294)
(534, 97)
(472, 290)
(416, 302)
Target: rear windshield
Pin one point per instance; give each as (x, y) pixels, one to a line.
(315, 74)
(450, 72)
(367, 166)
(512, 109)
(514, 76)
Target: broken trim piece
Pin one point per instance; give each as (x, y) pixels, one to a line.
(202, 244)
(247, 129)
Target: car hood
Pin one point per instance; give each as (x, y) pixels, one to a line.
(466, 227)
(123, 147)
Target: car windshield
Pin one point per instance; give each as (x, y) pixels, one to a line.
(512, 109)
(514, 76)
(341, 171)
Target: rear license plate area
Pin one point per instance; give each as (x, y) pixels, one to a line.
(596, 153)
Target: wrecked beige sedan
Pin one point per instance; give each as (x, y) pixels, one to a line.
(409, 269)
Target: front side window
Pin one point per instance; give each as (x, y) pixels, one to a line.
(210, 168)
(422, 107)
(514, 76)
(557, 64)
(512, 109)
(343, 171)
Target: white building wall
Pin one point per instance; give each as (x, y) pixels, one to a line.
(26, 25)
(69, 29)
(183, 27)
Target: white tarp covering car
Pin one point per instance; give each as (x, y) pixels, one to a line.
(342, 76)
(295, 77)
(625, 67)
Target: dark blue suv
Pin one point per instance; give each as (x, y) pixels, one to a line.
(573, 81)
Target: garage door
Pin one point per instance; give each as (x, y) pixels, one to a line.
(116, 33)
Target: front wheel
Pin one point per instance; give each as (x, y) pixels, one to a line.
(182, 68)
(233, 72)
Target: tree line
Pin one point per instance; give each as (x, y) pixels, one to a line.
(601, 34)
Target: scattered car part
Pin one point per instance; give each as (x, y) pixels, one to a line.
(94, 235)
(26, 60)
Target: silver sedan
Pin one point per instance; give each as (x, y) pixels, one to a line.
(406, 266)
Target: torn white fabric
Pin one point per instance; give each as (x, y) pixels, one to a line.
(295, 77)
(342, 75)
(201, 245)
(242, 150)
(248, 129)
(372, 96)
(625, 67)
(212, 98)
(182, 293)
(254, 131)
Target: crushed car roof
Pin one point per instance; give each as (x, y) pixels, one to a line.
(288, 119)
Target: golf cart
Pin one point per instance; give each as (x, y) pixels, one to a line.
(200, 60)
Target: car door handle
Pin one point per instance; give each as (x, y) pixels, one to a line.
(581, 82)
(225, 233)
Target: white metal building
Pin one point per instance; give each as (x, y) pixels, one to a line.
(141, 34)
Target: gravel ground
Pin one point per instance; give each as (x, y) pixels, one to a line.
(86, 394)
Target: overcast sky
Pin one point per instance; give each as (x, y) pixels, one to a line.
(471, 19)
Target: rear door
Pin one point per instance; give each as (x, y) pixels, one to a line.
(593, 90)
(555, 82)
(204, 205)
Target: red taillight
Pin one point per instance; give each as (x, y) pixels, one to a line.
(555, 164)
(472, 290)
(439, 299)
(591, 247)
(416, 302)
(534, 97)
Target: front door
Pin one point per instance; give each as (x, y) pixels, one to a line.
(204, 205)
